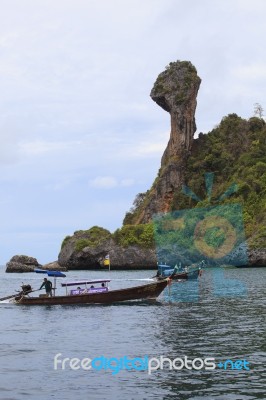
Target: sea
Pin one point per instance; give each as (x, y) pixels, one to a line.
(200, 340)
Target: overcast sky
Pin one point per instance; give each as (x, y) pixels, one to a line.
(80, 136)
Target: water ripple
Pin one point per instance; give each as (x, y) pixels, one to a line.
(220, 327)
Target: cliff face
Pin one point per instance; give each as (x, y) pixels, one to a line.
(175, 90)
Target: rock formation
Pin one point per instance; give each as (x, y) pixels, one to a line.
(22, 263)
(257, 257)
(175, 90)
(92, 257)
(54, 266)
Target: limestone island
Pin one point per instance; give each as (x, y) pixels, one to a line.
(234, 151)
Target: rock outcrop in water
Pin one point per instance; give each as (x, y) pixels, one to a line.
(81, 251)
(257, 257)
(22, 263)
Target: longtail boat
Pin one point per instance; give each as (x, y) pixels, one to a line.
(189, 273)
(92, 292)
(183, 275)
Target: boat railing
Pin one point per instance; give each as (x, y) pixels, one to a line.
(75, 292)
(89, 287)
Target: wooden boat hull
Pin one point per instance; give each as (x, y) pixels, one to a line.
(187, 275)
(149, 291)
(184, 275)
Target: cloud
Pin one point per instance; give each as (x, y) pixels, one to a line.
(147, 148)
(75, 79)
(127, 182)
(109, 182)
(103, 182)
(9, 151)
(39, 147)
(251, 72)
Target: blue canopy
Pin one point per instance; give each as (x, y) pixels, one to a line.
(41, 271)
(56, 274)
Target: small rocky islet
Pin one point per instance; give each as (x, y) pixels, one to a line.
(23, 263)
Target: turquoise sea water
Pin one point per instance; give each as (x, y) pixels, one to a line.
(193, 320)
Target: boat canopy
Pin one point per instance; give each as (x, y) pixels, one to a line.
(164, 268)
(56, 274)
(85, 282)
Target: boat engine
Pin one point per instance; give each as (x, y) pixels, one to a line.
(26, 289)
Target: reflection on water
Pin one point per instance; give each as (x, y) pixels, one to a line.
(201, 325)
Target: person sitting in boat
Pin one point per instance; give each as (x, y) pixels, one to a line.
(175, 271)
(103, 285)
(82, 291)
(48, 287)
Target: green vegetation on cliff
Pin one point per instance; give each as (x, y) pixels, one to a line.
(141, 235)
(235, 151)
(91, 237)
(169, 81)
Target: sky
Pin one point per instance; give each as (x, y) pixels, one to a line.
(79, 133)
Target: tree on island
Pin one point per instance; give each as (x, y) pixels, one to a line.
(258, 110)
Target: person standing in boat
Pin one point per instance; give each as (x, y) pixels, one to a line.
(48, 287)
